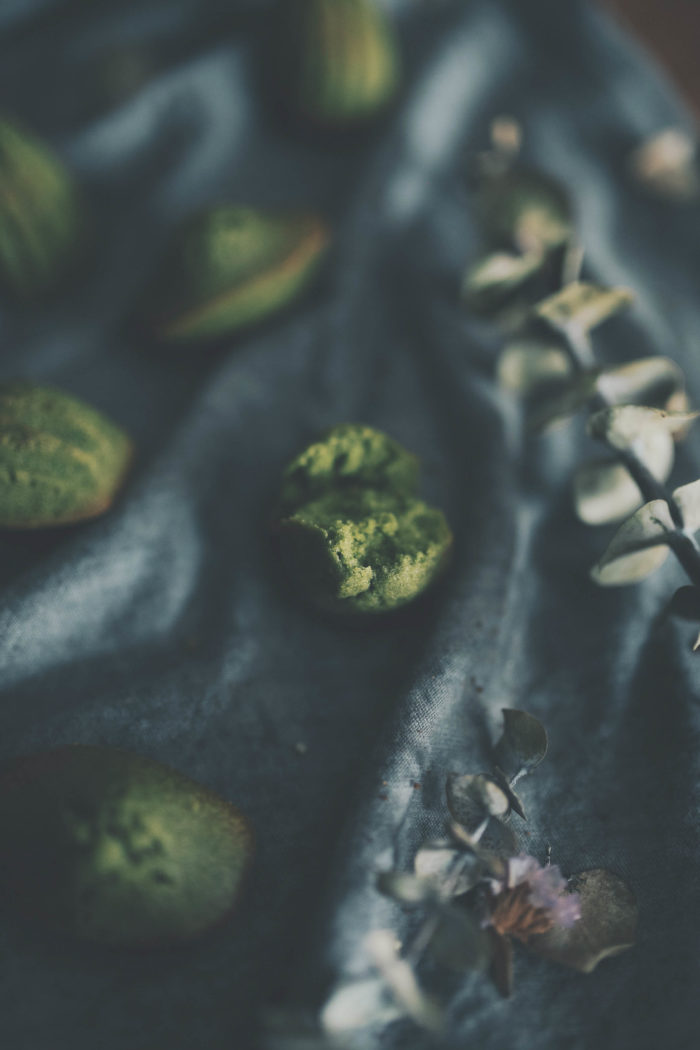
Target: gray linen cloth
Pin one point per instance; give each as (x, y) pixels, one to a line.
(163, 629)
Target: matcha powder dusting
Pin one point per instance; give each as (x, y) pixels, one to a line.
(351, 530)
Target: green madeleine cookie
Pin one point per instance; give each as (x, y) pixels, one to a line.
(119, 849)
(334, 62)
(61, 461)
(232, 266)
(41, 217)
(352, 533)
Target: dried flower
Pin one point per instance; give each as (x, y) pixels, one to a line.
(531, 900)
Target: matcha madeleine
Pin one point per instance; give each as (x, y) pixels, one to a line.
(118, 849)
(232, 266)
(353, 533)
(334, 62)
(61, 461)
(41, 220)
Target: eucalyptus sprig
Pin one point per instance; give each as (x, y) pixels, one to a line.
(638, 410)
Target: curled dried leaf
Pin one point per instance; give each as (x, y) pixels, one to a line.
(582, 305)
(401, 981)
(405, 888)
(607, 925)
(358, 1004)
(497, 843)
(474, 798)
(638, 547)
(522, 745)
(450, 871)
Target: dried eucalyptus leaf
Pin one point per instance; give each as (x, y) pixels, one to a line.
(582, 305)
(622, 427)
(564, 402)
(472, 799)
(358, 1004)
(528, 364)
(515, 801)
(497, 843)
(501, 969)
(687, 498)
(638, 547)
(524, 209)
(607, 925)
(522, 745)
(451, 871)
(686, 603)
(667, 165)
(605, 492)
(459, 943)
(489, 283)
(405, 888)
(655, 381)
(401, 980)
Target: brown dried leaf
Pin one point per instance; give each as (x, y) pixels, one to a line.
(501, 970)
(607, 925)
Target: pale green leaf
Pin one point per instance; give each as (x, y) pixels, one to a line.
(655, 381)
(604, 493)
(528, 364)
(621, 426)
(491, 281)
(583, 305)
(687, 498)
(638, 547)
